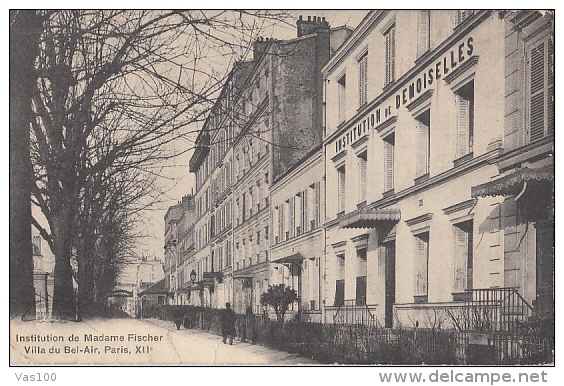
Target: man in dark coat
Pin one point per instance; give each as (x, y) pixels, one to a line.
(228, 323)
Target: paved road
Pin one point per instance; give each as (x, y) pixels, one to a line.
(133, 342)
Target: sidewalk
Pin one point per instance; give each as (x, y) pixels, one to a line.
(211, 347)
(132, 342)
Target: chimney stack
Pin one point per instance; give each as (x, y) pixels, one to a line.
(311, 26)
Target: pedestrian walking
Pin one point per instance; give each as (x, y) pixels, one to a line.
(227, 323)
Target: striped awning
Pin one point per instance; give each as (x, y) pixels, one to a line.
(370, 218)
(512, 183)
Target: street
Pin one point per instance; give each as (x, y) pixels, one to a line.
(132, 342)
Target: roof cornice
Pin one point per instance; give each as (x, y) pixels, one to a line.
(364, 28)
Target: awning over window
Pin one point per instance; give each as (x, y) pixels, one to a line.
(370, 218)
(511, 184)
(293, 258)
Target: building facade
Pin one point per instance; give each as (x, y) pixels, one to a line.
(268, 115)
(419, 112)
(526, 167)
(179, 248)
(297, 245)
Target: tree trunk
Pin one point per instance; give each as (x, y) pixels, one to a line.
(25, 28)
(64, 304)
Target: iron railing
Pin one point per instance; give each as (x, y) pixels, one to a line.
(495, 309)
(351, 313)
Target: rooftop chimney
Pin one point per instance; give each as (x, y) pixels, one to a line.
(311, 26)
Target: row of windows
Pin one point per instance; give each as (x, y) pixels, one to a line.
(462, 274)
(252, 201)
(464, 98)
(252, 249)
(298, 214)
(423, 45)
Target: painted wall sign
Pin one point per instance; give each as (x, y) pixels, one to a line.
(456, 56)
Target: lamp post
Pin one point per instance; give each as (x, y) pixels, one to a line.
(192, 279)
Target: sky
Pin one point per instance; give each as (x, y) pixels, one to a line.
(177, 181)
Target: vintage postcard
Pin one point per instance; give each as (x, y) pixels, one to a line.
(276, 188)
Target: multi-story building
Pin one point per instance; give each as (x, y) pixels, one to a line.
(179, 245)
(421, 105)
(297, 247)
(268, 115)
(526, 167)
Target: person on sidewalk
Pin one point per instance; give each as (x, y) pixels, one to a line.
(227, 323)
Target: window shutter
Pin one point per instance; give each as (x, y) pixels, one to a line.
(292, 213)
(393, 54)
(537, 114)
(423, 37)
(281, 216)
(362, 79)
(341, 190)
(362, 179)
(422, 149)
(388, 58)
(389, 166)
(463, 107)
(421, 278)
(317, 214)
(550, 91)
(461, 255)
(305, 219)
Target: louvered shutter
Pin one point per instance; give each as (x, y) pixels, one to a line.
(362, 79)
(317, 203)
(341, 190)
(305, 198)
(537, 113)
(292, 214)
(423, 37)
(422, 149)
(463, 108)
(421, 277)
(388, 58)
(362, 178)
(389, 166)
(393, 54)
(550, 90)
(281, 218)
(461, 255)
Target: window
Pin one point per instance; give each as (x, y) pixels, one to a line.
(362, 79)
(341, 189)
(361, 277)
(423, 32)
(421, 267)
(243, 207)
(282, 219)
(541, 89)
(340, 281)
(220, 258)
(390, 37)
(462, 15)
(362, 177)
(423, 123)
(389, 146)
(465, 119)
(292, 217)
(342, 85)
(464, 256)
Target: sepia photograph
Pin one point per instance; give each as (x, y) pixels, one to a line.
(282, 188)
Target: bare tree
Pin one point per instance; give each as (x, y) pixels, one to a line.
(25, 28)
(112, 89)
